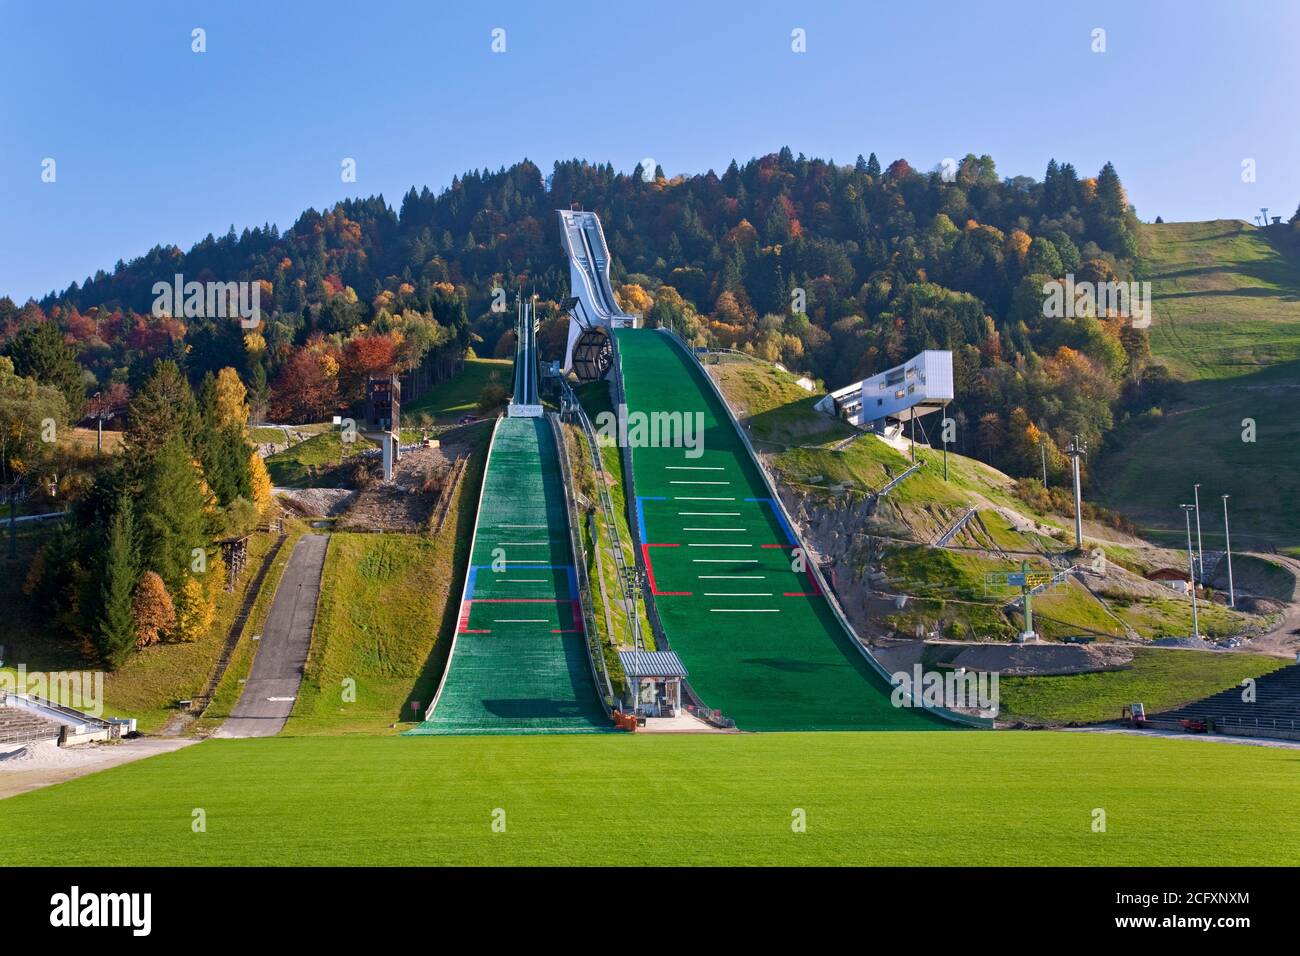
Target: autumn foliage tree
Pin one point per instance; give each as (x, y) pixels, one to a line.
(307, 388)
(152, 610)
(363, 357)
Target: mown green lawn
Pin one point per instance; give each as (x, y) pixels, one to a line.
(306, 464)
(868, 799)
(1227, 297)
(1227, 319)
(1160, 678)
(383, 607)
(459, 394)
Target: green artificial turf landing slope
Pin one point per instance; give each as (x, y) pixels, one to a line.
(760, 643)
(519, 664)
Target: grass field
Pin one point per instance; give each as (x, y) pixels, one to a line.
(1227, 297)
(459, 394)
(1160, 678)
(776, 408)
(1227, 319)
(760, 641)
(384, 600)
(869, 799)
(305, 464)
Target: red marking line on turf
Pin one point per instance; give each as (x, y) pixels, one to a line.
(517, 601)
(650, 573)
(815, 592)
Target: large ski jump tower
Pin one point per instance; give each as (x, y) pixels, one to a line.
(592, 308)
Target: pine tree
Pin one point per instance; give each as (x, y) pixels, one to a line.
(173, 520)
(259, 390)
(39, 352)
(163, 408)
(873, 166)
(116, 631)
(1110, 192)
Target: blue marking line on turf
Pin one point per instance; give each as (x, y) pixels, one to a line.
(572, 575)
(640, 512)
(780, 519)
(475, 568)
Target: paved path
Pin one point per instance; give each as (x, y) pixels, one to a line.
(277, 671)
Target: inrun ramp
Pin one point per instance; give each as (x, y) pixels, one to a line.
(518, 662)
(760, 641)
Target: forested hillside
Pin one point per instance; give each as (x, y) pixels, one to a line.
(835, 270)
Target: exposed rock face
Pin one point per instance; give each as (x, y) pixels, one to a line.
(840, 530)
(834, 526)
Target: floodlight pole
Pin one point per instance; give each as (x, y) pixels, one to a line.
(99, 424)
(1077, 449)
(1028, 633)
(13, 521)
(1200, 551)
(1227, 544)
(944, 426)
(1191, 570)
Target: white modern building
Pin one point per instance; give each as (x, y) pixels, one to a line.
(921, 385)
(592, 307)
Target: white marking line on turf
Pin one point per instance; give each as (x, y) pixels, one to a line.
(523, 580)
(724, 560)
(708, 514)
(519, 620)
(523, 544)
(715, 529)
(521, 526)
(713, 545)
(745, 610)
(731, 577)
(699, 482)
(694, 467)
(737, 593)
(680, 498)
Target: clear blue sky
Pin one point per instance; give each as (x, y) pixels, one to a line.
(157, 144)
